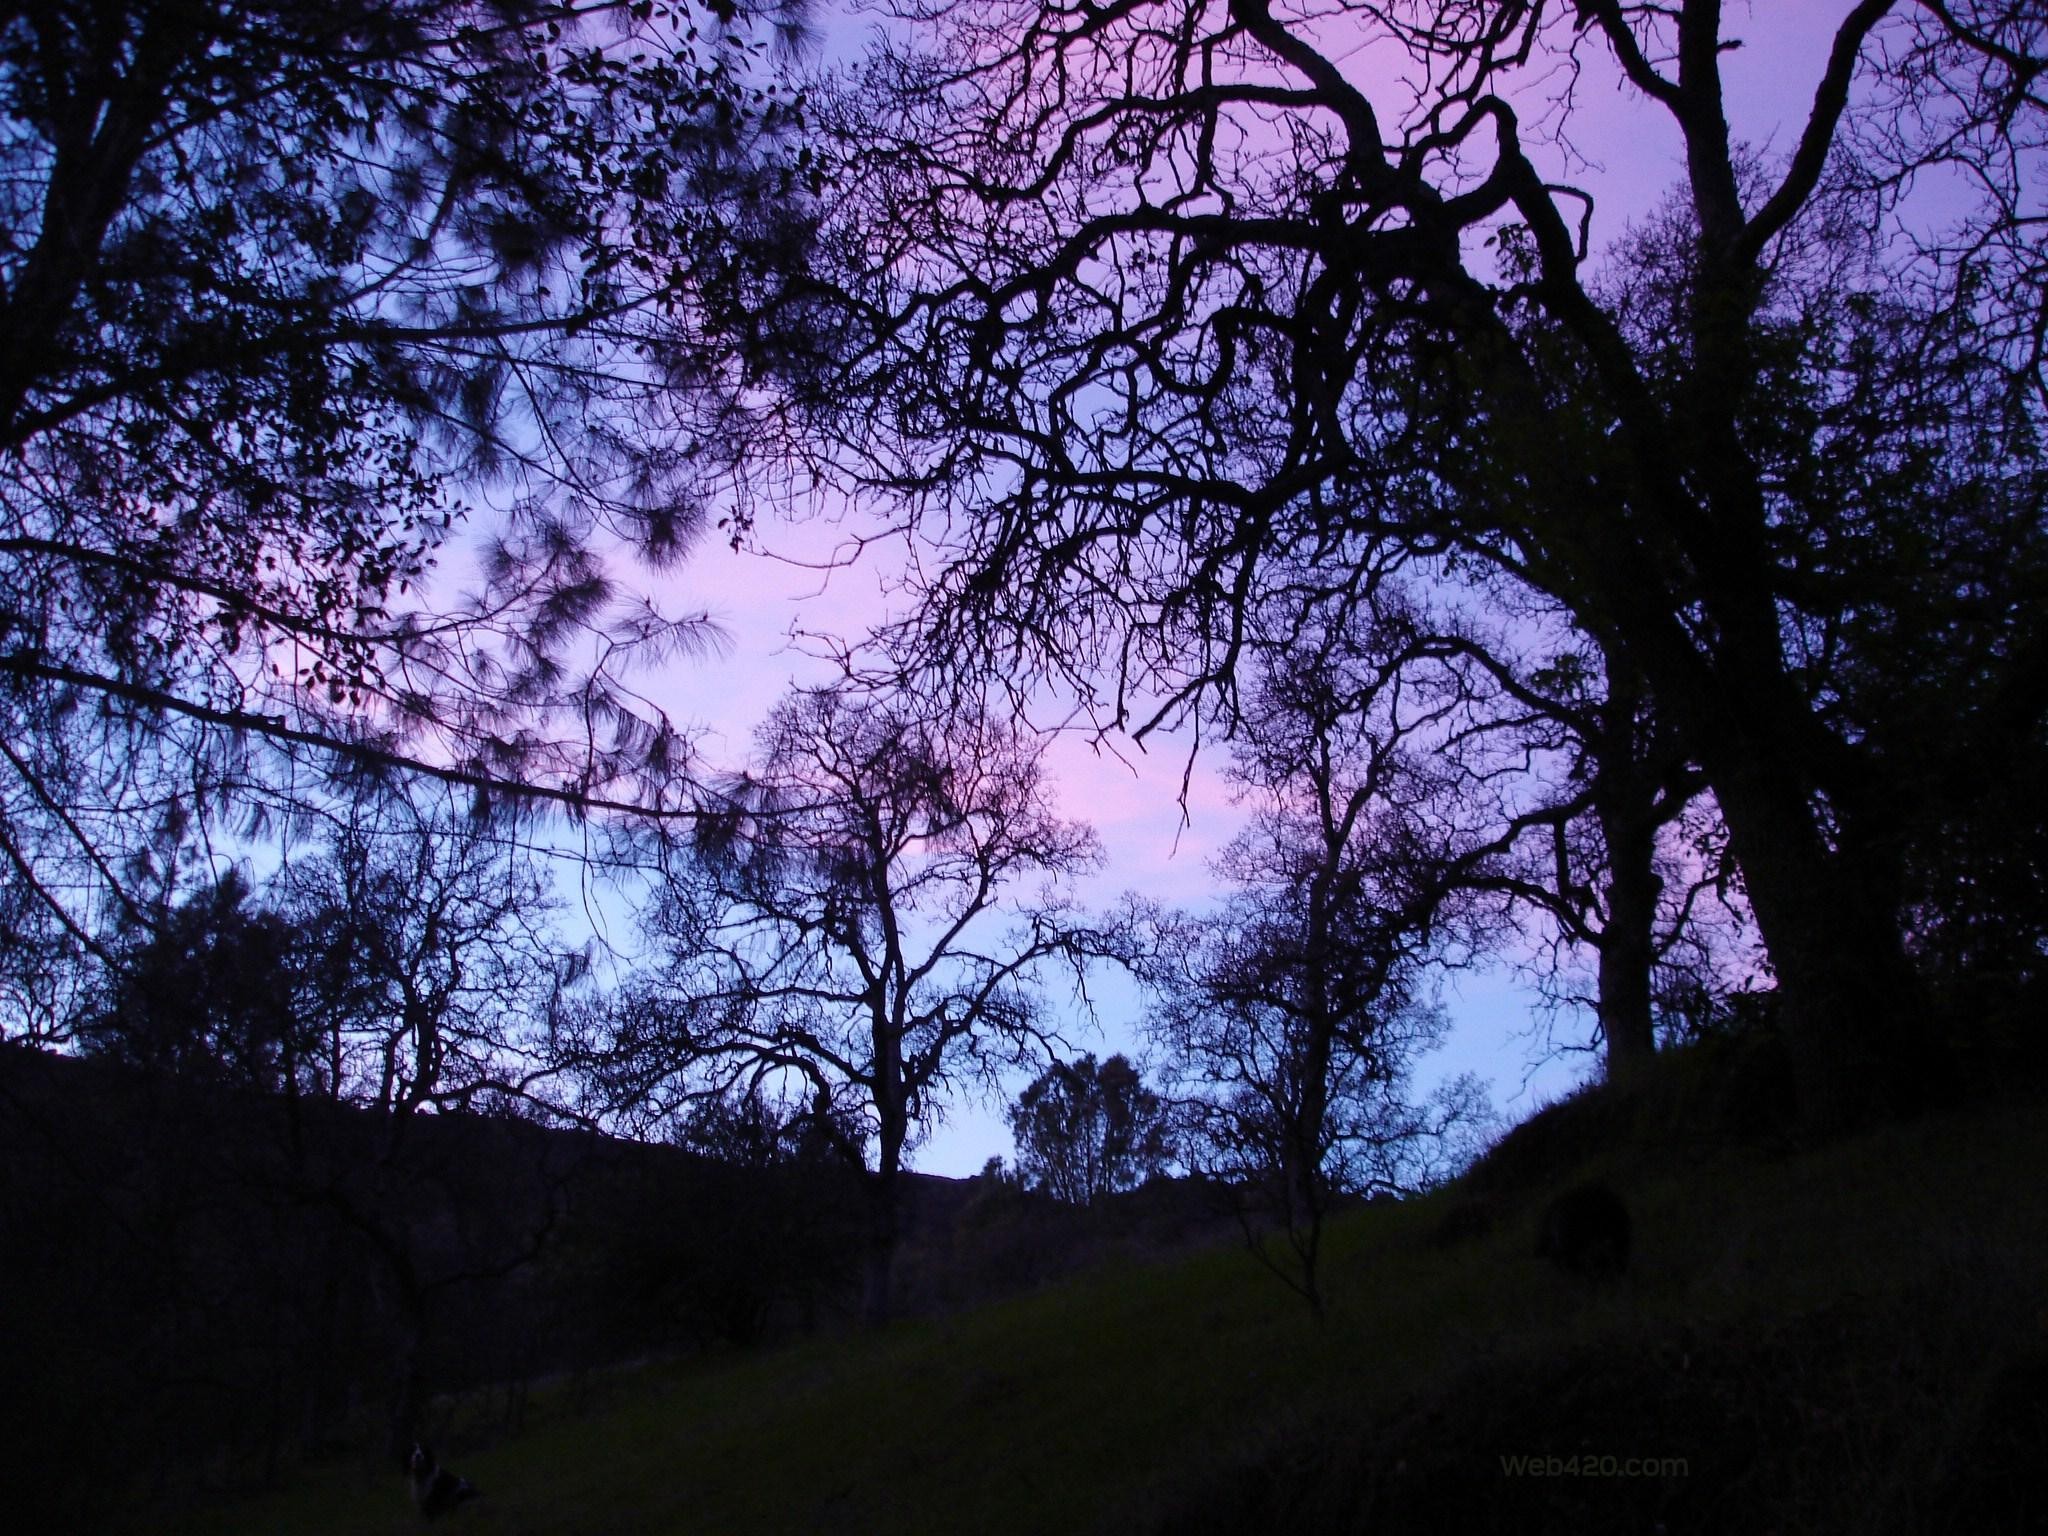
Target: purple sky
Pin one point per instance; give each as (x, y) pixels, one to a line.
(1133, 804)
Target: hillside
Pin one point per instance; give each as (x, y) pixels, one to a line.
(204, 1288)
(1845, 1337)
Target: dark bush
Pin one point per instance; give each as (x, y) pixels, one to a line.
(1585, 1231)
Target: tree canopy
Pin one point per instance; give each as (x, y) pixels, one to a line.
(867, 915)
(1085, 1129)
(1146, 313)
(295, 294)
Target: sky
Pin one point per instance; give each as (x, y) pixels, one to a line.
(760, 596)
(1130, 796)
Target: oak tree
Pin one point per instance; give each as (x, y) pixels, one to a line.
(1293, 1014)
(868, 917)
(1085, 1129)
(1133, 301)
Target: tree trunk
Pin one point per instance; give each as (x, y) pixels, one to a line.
(1829, 919)
(1304, 1180)
(1830, 925)
(408, 1394)
(1626, 953)
(878, 1263)
(891, 1101)
(884, 1214)
(1628, 936)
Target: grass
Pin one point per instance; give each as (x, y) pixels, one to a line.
(1854, 1301)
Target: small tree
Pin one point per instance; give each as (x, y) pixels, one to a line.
(1084, 1131)
(208, 990)
(850, 917)
(434, 965)
(1286, 1113)
(1293, 1013)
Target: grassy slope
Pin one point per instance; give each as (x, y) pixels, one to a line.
(1199, 1394)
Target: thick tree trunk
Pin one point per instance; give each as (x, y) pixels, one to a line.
(1625, 790)
(1792, 795)
(884, 1193)
(878, 1260)
(1830, 925)
(1627, 950)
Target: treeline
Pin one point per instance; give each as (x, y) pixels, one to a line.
(871, 921)
(206, 1286)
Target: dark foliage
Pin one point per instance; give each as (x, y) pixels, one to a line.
(786, 1208)
(1157, 316)
(1466, 1222)
(206, 1286)
(1585, 1231)
(212, 992)
(1558, 1140)
(296, 294)
(990, 1237)
(1738, 1090)
(1085, 1130)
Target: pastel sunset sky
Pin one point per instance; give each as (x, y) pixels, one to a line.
(790, 582)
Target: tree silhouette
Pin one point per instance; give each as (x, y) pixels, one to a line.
(1085, 1130)
(853, 917)
(1292, 1015)
(209, 991)
(296, 294)
(1148, 309)
(1611, 848)
(434, 967)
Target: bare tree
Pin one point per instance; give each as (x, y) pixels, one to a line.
(854, 915)
(433, 963)
(1137, 300)
(429, 981)
(1292, 1016)
(43, 968)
